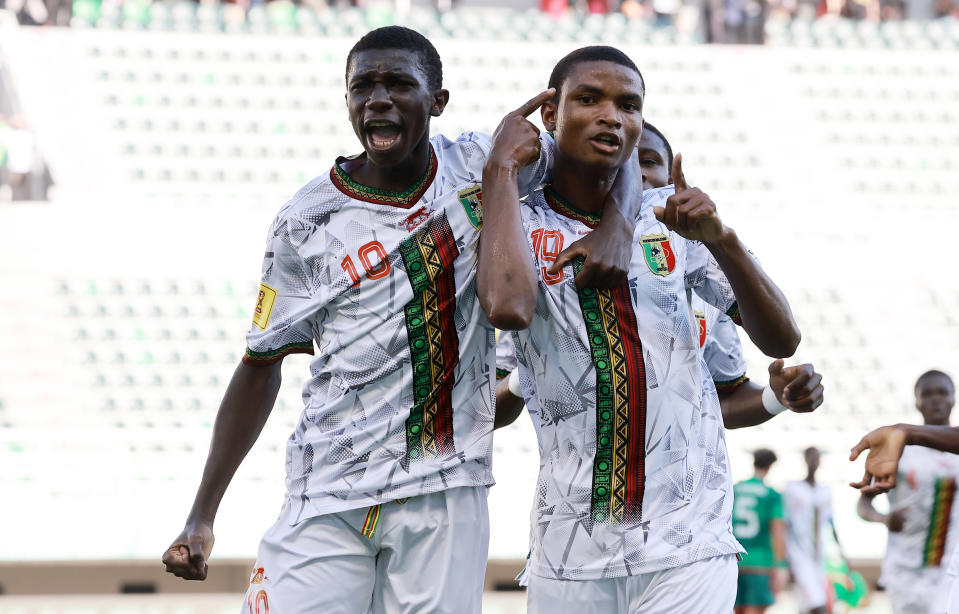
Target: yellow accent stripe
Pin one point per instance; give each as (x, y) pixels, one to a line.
(372, 518)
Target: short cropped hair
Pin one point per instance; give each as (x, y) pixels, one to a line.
(763, 458)
(594, 53)
(398, 37)
(669, 150)
(934, 373)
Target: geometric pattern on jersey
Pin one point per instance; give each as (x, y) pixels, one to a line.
(619, 465)
(403, 198)
(943, 500)
(434, 347)
(685, 506)
(338, 258)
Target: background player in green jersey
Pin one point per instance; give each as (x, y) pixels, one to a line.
(758, 525)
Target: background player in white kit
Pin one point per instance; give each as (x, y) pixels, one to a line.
(634, 496)
(923, 518)
(809, 516)
(374, 262)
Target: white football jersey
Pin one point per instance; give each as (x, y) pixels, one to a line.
(383, 283)
(926, 491)
(720, 344)
(808, 517)
(634, 475)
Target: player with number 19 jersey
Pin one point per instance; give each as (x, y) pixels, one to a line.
(634, 475)
(383, 283)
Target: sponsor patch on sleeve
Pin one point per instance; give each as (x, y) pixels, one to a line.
(264, 306)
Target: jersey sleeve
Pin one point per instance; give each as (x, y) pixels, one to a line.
(533, 176)
(723, 353)
(505, 354)
(473, 149)
(286, 302)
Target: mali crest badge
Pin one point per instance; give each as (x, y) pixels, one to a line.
(472, 200)
(658, 253)
(701, 323)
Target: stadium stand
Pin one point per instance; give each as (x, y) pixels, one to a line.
(175, 135)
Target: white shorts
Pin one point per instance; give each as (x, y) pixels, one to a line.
(916, 591)
(810, 578)
(704, 587)
(426, 554)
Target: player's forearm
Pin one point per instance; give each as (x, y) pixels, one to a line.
(765, 312)
(743, 406)
(505, 279)
(778, 530)
(626, 195)
(508, 405)
(945, 438)
(245, 407)
(868, 512)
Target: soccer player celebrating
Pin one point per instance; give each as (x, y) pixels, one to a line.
(923, 520)
(759, 527)
(634, 501)
(374, 263)
(808, 516)
(744, 403)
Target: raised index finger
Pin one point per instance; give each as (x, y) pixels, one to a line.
(679, 180)
(535, 102)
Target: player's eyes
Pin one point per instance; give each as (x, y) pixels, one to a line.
(629, 106)
(587, 99)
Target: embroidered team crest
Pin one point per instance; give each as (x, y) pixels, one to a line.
(701, 321)
(472, 199)
(264, 306)
(658, 253)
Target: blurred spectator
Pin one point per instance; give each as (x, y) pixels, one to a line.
(25, 172)
(28, 12)
(665, 12)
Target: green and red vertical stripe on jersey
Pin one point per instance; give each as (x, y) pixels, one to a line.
(619, 467)
(434, 346)
(944, 499)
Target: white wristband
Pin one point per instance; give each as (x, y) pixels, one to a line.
(771, 403)
(513, 384)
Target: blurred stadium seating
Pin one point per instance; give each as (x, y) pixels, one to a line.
(175, 135)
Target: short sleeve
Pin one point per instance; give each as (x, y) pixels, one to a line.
(505, 354)
(533, 176)
(723, 354)
(286, 304)
(706, 278)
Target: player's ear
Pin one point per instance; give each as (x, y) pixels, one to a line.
(440, 99)
(547, 113)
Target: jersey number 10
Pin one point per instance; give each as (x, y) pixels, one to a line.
(548, 244)
(373, 271)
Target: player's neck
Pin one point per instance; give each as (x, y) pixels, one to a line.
(397, 177)
(583, 187)
(760, 475)
(811, 479)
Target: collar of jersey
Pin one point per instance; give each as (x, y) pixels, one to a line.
(405, 199)
(560, 205)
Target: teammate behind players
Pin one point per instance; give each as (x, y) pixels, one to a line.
(374, 263)
(758, 525)
(886, 446)
(633, 505)
(923, 518)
